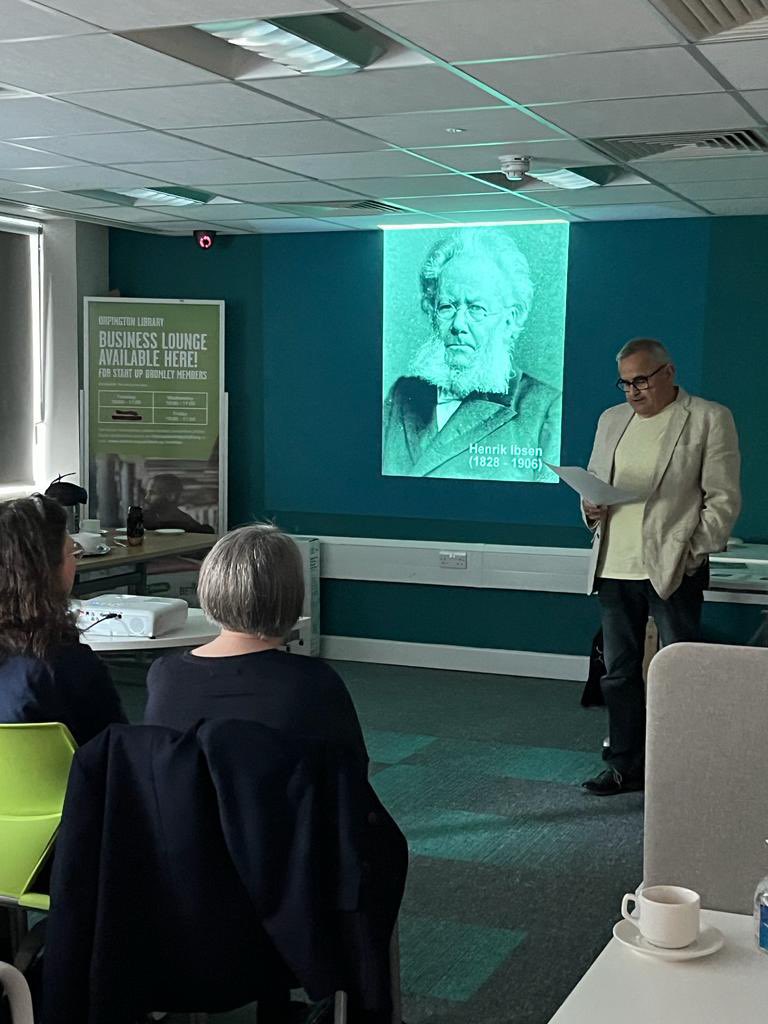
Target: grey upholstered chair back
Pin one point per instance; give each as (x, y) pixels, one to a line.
(706, 800)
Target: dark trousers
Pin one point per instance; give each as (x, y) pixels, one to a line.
(626, 605)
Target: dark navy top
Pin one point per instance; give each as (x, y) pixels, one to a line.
(287, 692)
(72, 686)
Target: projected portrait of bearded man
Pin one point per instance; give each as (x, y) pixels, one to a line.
(466, 409)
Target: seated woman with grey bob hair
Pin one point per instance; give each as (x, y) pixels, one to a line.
(252, 584)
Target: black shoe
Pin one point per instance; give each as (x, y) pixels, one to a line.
(610, 782)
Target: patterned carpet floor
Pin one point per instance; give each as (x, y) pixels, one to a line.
(516, 874)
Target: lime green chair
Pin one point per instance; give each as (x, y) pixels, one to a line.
(34, 767)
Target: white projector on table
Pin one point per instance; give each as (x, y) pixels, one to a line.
(129, 615)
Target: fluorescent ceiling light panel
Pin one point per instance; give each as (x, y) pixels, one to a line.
(171, 196)
(563, 178)
(279, 45)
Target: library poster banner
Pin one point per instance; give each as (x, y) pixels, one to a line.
(153, 410)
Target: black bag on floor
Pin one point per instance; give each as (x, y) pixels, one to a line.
(592, 697)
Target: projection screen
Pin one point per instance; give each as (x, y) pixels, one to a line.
(473, 335)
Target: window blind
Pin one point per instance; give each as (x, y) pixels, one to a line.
(18, 280)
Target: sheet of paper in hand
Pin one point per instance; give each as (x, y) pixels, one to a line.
(591, 488)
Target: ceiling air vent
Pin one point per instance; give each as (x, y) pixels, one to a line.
(718, 20)
(685, 144)
(339, 205)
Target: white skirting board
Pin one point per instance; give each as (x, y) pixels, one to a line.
(531, 664)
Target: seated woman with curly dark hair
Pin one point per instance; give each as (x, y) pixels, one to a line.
(46, 673)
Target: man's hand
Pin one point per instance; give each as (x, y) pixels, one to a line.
(595, 513)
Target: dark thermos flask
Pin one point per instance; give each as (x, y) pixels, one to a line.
(135, 526)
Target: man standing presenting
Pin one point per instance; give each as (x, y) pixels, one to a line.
(680, 455)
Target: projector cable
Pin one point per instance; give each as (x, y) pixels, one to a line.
(109, 615)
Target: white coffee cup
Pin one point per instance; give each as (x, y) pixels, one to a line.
(90, 525)
(91, 543)
(667, 915)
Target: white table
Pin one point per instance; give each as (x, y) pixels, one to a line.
(196, 631)
(752, 554)
(624, 987)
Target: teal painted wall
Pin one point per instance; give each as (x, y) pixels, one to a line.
(304, 378)
(735, 350)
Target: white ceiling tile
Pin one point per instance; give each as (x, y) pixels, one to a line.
(27, 21)
(201, 172)
(222, 213)
(596, 76)
(510, 28)
(373, 221)
(126, 147)
(64, 200)
(352, 165)
(477, 159)
(717, 168)
(759, 100)
(12, 187)
(183, 227)
(737, 207)
(117, 14)
(701, 191)
(745, 65)
(416, 185)
(288, 192)
(649, 211)
(603, 118)
(80, 63)
(551, 212)
(268, 140)
(37, 117)
(388, 3)
(21, 156)
(190, 106)
(81, 176)
(367, 93)
(292, 224)
(468, 204)
(613, 195)
(498, 124)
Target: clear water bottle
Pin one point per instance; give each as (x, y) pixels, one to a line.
(761, 914)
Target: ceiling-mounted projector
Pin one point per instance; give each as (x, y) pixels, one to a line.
(518, 168)
(515, 168)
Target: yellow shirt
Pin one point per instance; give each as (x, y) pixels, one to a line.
(634, 463)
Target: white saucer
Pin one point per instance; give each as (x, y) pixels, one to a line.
(708, 942)
(167, 530)
(104, 549)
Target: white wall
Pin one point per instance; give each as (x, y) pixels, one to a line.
(75, 263)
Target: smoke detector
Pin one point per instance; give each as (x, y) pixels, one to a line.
(514, 168)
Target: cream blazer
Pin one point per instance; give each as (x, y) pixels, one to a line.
(694, 498)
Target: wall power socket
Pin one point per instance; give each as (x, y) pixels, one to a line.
(453, 559)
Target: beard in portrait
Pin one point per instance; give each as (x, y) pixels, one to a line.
(465, 409)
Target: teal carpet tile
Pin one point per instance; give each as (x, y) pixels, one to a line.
(390, 747)
(541, 764)
(451, 960)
